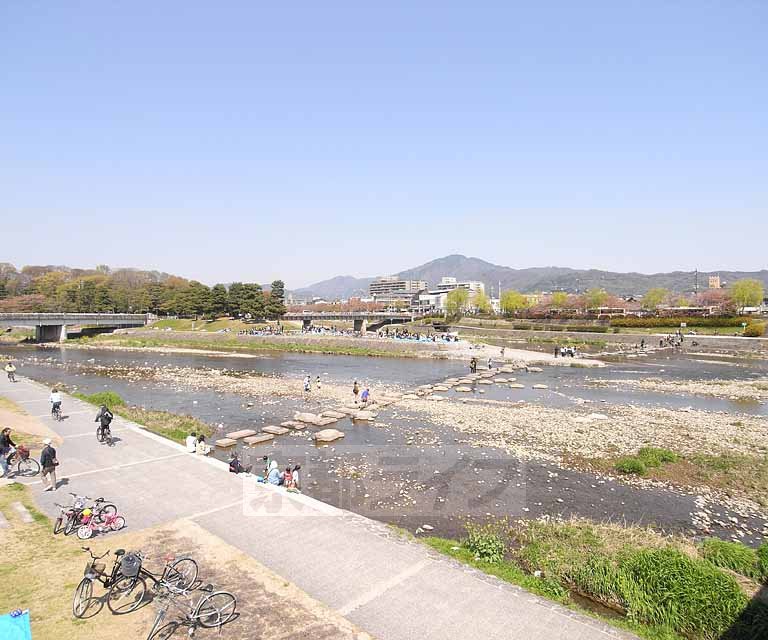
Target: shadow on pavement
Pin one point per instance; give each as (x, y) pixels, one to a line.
(753, 622)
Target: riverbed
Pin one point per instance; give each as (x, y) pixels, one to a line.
(416, 464)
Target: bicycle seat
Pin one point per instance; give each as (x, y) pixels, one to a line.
(120, 552)
(207, 588)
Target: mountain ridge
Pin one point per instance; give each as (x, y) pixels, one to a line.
(531, 279)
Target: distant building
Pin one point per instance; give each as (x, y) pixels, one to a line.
(714, 282)
(448, 283)
(393, 290)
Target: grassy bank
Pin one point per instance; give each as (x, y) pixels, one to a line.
(185, 324)
(731, 473)
(169, 425)
(233, 344)
(659, 587)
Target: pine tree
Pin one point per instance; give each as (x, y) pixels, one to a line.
(252, 300)
(219, 300)
(275, 307)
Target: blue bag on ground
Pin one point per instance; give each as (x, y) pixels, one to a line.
(15, 627)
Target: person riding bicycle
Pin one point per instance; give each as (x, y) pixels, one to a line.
(104, 418)
(55, 399)
(10, 369)
(7, 449)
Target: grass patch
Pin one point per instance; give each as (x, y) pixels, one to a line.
(734, 556)
(169, 425)
(646, 458)
(631, 465)
(659, 586)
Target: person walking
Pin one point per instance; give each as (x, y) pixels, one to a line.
(490, 363)
(317, 383)
(355, 390)
(49, 463)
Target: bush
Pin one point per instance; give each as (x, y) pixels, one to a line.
(523, 327)
(731, 555)
(754, 329)
(762, 560)
(485, 541)
(589, 328)
(671, 589)
(655, 457)
(109, 398)
(674, 321)
(630, 465)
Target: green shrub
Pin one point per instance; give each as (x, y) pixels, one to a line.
(691, 596)
(630, 465)
(762, 560)
(655, 457)
(109, 398)
(590, 328)
(731, 555)
(754, 329)
(690, 321)
(522, 327)
(485, 541)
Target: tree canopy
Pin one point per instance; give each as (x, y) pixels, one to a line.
(513, 301)
(747, 293)
(456, 302)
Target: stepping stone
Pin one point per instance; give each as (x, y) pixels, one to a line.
(3, 521)
(275, 431)
(516, 385)
(328, 435)
(293, 424)
(451, 380)
(225, 442)
(484, 382)
(500, 380)
(364, 415)
(25, 515)
(333, 414)
(539, 386)
(463, 389)
(309, 418)
(534, 369)
(436, 398)
(410, 396)
(511, 379)
(322, 422)
(236, 435)
(440, 388)
(346, 411)
(264, 437)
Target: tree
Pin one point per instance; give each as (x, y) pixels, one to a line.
(481, 302)
(275, 306)
(559, 299)
(747, 293)
(219, 300)
(595, 298)
(235, 299)
(653, 298)
(456, 303)
(252, 300)
(512, 302)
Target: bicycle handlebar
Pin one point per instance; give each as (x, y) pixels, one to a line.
(90, 553)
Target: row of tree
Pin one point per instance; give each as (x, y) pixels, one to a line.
(101, 291)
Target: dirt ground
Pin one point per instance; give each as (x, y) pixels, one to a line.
(40, 571)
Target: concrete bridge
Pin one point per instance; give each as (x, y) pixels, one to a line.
(361, 320)
(52, 327)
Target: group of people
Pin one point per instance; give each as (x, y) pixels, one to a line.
(195, 443)
(405, 334)
(473, 363)
(48, 460)
(566, 352)
(290, 478)
(264, 331)
(308, 384)
(365, 396)
(674, 340)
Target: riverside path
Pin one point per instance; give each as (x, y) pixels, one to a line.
(393, 588)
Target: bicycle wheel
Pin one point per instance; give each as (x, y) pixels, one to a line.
(182, 573)
(105, 511)
(126, 595)
(58, 525)
(99, 434)
(215, 610)
(71, 525)
(84, 532)
(28, 468)
(82, 598)
(165, 632)
(117, 524)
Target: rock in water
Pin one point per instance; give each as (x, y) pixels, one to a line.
(328, 435)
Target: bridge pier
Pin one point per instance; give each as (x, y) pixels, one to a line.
(360, 324)
(51, 333)
(306, 323)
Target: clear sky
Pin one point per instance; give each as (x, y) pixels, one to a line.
(242, 140)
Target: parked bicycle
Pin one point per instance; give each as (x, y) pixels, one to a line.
(95, 571)
(212, 610)
(26, 465)
(178, 575)
(93, 523)
(71, 517)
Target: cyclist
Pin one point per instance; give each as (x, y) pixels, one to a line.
(104, 418)
(7, 449)
(55, 399)
(10, 369)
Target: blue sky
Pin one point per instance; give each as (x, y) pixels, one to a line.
(239, 141)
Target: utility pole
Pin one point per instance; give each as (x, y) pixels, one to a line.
(696, 282)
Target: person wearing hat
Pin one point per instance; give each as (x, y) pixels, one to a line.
(49, 463)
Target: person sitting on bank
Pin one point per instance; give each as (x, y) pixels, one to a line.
(191, 442)
(235, 466)
(202, 448)
(295, 484)
(274, 477)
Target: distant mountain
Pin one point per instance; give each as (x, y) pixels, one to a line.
(532, 279)
(335, 288)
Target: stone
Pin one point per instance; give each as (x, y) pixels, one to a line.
(236, 435)
(540, 386)
(275, 431)
(516, 385)
(598, 416)
(364, 415)
(436, 398)
(293, 424)
(323, 421)
(328, 435)
(463, 389)
(440, 388)
(261, 439)
(309, 418)
(333, 414)
(500, 380)
(534, 369)
(225, 442)
(485, 382)
(410, 396)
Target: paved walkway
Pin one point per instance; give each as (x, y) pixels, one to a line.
(393, 588)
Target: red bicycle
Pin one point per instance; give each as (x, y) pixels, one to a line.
(91, 524)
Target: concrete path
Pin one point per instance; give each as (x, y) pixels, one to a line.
(393, 588)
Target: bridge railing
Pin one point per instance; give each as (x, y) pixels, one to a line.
(73, 318)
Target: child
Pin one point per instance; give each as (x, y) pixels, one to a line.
(287, 479)
(295, 480)
(365, 396)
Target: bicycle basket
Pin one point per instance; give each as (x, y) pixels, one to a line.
(95, 567)
(79, 502)
(130, 565)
